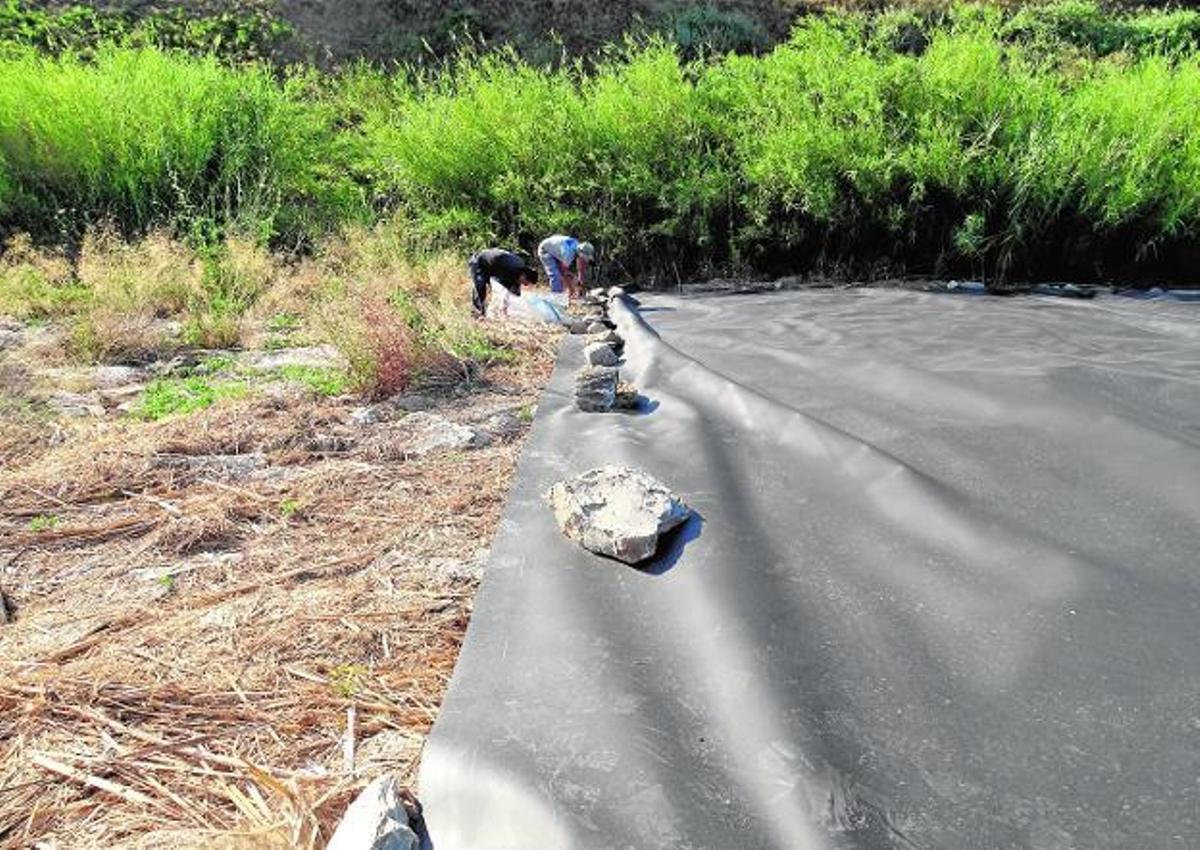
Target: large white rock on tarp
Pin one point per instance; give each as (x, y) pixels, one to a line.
(596, 388)
(601, 354)
(616, 511)
(377, 820)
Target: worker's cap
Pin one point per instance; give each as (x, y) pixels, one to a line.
(587, 250)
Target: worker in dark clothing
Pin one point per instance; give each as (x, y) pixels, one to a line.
(506, 268)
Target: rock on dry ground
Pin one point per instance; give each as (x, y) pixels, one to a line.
(11, 337)
(75, 405)
(378, 820)
(216, 467)
(503, 425)
(116, 377)
(373, 414)
(596, 388)
(432, 432)
(392, 408)
(316, 356)
(616, 511)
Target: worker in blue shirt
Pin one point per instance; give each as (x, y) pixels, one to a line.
(566, 261)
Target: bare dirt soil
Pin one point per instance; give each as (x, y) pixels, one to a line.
(217, 627)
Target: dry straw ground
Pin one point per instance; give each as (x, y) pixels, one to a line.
(205, 657)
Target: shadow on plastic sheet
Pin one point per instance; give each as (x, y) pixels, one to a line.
(672, 546)
(419, 826)
(644, 406)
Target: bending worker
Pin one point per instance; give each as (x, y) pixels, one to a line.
(565, 258)
(506, 268)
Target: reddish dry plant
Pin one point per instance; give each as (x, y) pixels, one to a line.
(393, 348)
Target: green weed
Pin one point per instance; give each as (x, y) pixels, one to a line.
(347, 680)
(476, 346)
(177, 396)
(44, 522)
(283, 323)
(321, 381)
(214, 365)
(36, 285)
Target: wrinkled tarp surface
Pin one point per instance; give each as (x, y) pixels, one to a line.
(945, 591)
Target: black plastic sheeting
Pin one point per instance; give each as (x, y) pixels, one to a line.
(943, 591)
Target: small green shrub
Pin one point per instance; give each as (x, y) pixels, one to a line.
(215, 365)
(283, 323)
(44, 522)
(347, 680)
(36, 285)
(177, 396)
(321, 381)
(26, 293)
(212, 329)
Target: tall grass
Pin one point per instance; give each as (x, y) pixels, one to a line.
(145, 138)
(1053, 141)
(843, 143)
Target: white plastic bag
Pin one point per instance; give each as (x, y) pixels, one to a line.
(546, 309)
(528, 307)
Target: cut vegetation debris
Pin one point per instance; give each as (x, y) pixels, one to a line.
(195, 606)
